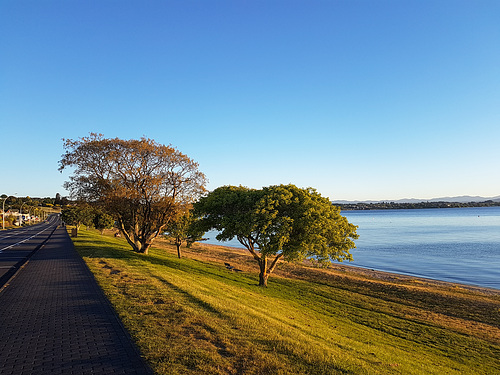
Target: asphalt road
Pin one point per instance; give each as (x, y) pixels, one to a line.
(17, 245)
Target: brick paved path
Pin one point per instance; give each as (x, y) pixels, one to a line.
(54, 319)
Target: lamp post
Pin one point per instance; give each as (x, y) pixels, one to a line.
(36, 212)
(29, 213)
(3, 212)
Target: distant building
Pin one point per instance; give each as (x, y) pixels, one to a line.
(25, 216)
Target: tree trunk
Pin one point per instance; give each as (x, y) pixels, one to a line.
(263, 279)
(264, 271)
(262, 260)
(137, 246)
(145, 247)
(129, 240)
(133, 240)
(263, 275)
(178, 245)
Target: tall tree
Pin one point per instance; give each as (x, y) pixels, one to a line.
(143, 184)
(278, 222)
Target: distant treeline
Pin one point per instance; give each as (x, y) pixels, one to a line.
(14, 202)
(398, 206)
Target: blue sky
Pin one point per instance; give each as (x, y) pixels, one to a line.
(360, 99)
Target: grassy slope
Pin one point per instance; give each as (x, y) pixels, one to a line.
(192, 316)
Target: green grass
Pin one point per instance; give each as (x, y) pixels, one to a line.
(192, 316)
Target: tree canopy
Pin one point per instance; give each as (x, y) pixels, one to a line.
(276, 222)
(143, 184)
(184, 228)
(78, 215)
(102, 221)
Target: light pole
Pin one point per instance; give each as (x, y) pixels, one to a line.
(3, 211)
(29, 213)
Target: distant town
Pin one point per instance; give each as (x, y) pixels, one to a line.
(413, 205)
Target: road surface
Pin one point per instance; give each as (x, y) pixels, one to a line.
(54, 318)
(17, 245)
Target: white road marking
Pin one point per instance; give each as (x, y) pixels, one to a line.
(26, 239)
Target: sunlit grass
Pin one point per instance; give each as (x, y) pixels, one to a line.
(193, 316)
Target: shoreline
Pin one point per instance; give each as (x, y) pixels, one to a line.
(399, 277)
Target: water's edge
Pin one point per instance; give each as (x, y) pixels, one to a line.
(455, 245)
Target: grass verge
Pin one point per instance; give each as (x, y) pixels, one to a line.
(193, 316)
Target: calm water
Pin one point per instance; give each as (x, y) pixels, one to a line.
(454, 244)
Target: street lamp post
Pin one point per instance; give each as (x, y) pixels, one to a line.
(29, 214)
(3, 212)
(36, 213)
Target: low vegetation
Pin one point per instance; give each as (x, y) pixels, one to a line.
(196, 315)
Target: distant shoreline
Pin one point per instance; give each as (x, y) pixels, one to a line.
(405, 206)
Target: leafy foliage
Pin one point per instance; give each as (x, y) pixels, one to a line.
(78, 215)
(102, 221)
(143, 184)
(279, 222)
(184, 228)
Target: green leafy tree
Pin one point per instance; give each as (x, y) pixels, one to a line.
(102, 221)
(78, 215)
(278, 222)
(185, 228)
(69, 216)
(10, 219)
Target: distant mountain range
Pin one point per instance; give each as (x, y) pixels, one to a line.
(460, 199)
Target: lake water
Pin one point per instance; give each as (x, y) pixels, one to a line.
(460, 245)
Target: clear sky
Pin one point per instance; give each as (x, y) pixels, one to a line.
(359, 99)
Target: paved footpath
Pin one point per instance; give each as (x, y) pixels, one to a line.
(54, 319)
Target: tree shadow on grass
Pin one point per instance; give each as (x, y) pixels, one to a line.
(94, 247)
(194, 266)
(191, 298)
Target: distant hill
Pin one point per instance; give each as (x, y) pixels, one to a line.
(459, 199)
